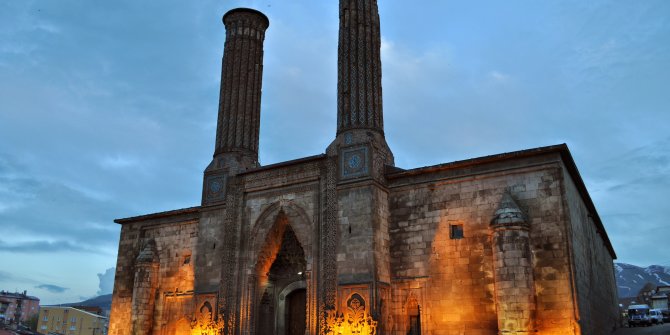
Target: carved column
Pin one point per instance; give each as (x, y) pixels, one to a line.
(513, 272)
(144, 290)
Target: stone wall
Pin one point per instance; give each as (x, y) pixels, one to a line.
(355, 254)
(452, 279)
(175, 244)
(208, 262)
(593, 266)
(120, 314)
(175, 238)
(396, 248)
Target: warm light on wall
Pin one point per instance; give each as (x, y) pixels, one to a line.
(355, 322)
(206, 326)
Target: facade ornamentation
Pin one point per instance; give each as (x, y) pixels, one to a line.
(355, 320)
(205, 324)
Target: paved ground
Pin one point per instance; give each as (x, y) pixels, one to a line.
(652, 330)
(6, 332)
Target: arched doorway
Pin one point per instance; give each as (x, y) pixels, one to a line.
(282, 304)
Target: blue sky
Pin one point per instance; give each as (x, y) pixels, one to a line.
(108, 110)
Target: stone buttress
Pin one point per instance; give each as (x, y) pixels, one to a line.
(513, 272)
(144, 290)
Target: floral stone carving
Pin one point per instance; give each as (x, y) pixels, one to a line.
(355, 320)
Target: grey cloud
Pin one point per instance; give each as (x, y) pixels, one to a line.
(11, 278)
(36, 209)
(106, 283)
(6, 276)
(52, 288)
(631, 191)
(33, 247)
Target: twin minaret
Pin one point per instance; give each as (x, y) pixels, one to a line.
(240, 97)
(359, 70)
(359, 89)
(238, 124)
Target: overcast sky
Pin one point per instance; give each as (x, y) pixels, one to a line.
(108, 110)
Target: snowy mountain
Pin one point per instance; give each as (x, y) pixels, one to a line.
(631, 278)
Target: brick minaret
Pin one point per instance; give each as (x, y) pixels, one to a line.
(359, 79)
(240, 98)
(237, 130)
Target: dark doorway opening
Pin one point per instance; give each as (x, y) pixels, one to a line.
(296, 313)
(414, 325)
(414, 319)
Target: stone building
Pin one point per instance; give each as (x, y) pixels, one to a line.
(344, 242)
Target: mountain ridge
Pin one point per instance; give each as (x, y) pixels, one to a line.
(631, 278)
(103, 301)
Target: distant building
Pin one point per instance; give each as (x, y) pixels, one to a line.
(660, 299)
(15, 307)
(70, 321)
(91, 309)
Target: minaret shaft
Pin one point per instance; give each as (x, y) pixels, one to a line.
(241, 77)
(359, 84)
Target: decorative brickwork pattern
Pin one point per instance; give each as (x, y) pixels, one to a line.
(229, 293)
(359, 81)
(241, 79)
(329, 240)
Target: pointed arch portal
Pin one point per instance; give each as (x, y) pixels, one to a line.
(281, 271)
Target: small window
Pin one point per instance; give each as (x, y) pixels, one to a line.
(456, 231)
